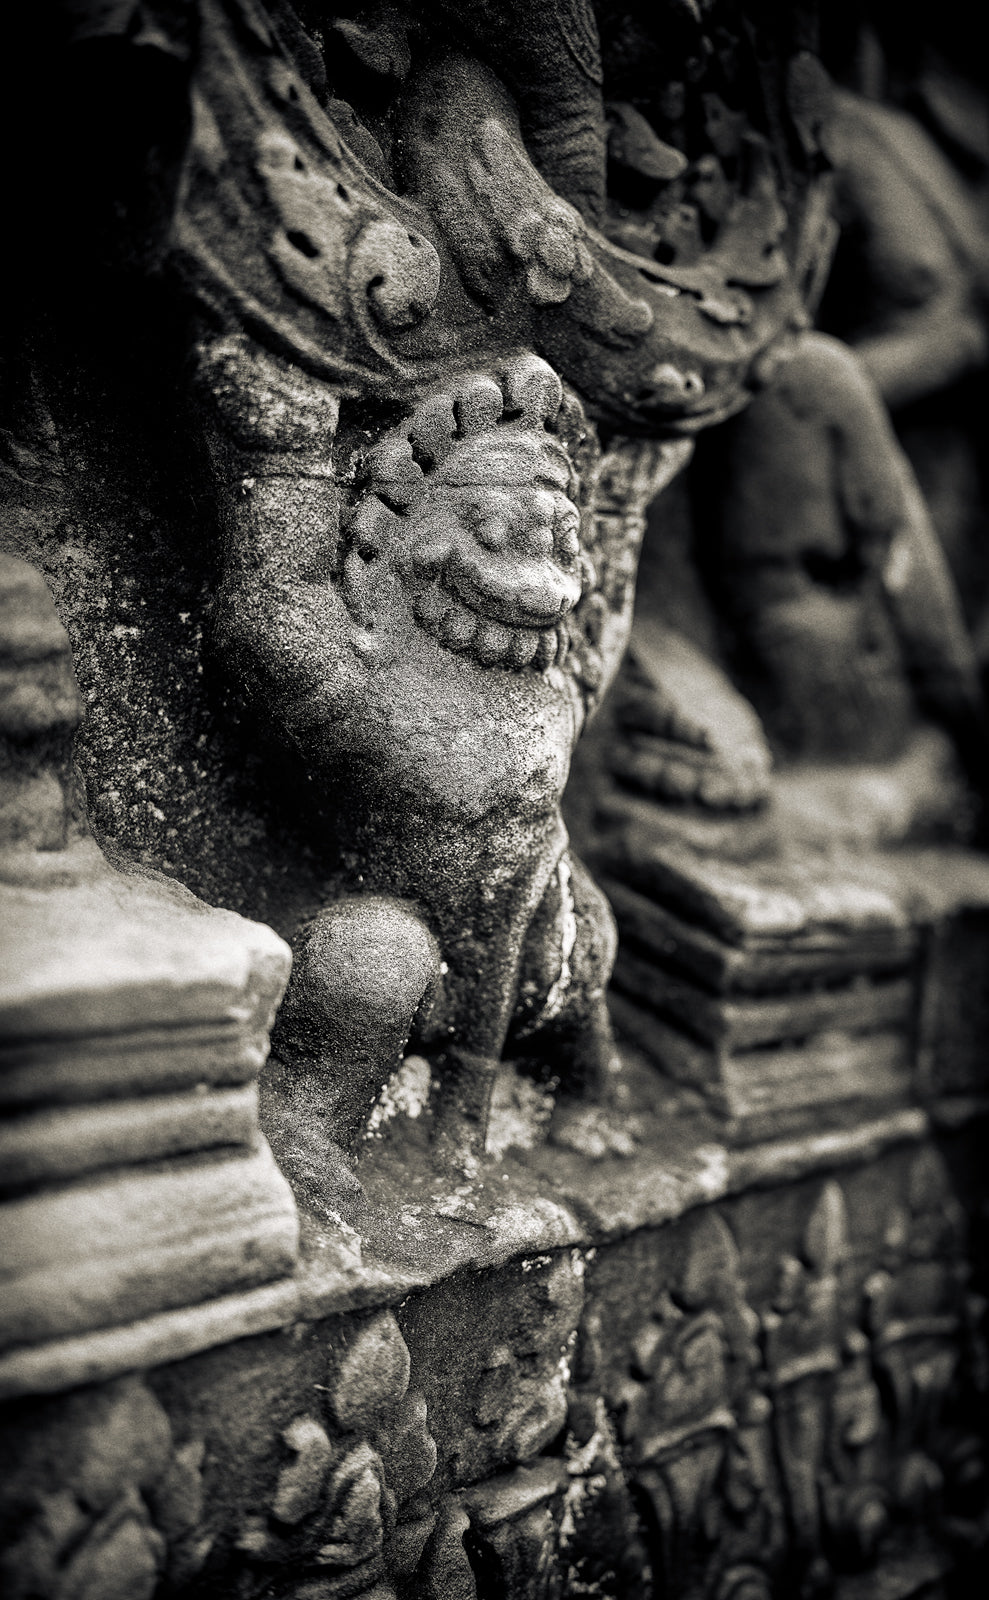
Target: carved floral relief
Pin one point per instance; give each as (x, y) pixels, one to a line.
(457, 300)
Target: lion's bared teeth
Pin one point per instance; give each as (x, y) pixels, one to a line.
(458, 628)
(546, 647)
(522, 647)
(430, 607)
(492, 643)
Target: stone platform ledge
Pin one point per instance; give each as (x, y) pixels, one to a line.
(529, 1204)
(151, 1342)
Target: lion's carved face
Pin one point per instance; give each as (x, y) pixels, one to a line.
(470, 505)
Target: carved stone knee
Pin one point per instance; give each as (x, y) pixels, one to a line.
(363, 969)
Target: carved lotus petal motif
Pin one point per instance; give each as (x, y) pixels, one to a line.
(411, 1450)
(120, 1560)
(693, 1378)
(300, 1483)
(357, 1493)
(372, 1374)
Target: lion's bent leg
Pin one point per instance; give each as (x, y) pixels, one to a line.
(562, 1021)
(363, 970)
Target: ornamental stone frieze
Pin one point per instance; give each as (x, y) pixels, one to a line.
(493, 892)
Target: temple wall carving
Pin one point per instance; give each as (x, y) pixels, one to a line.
(493, 626)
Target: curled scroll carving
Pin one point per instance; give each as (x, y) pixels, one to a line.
(347, 1514)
